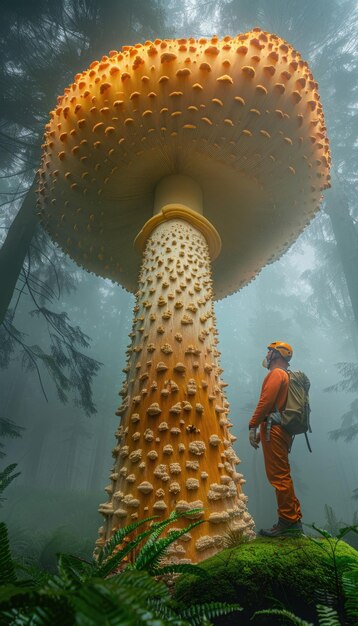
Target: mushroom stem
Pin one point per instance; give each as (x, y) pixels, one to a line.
(178, 189)
(174, 446)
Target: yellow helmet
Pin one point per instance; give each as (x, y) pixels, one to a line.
(283, 348)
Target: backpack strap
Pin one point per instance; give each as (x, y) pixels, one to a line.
(308, 443)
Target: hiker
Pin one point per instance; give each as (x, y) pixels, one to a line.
(276, 441)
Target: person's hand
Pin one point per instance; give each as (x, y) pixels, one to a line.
(254, 438)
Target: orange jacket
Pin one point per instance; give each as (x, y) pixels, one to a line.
(273, 393)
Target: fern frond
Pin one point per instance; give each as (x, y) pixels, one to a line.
(345, 562)
(7, 569)
(37, 576)
(72, 568)
(123, 601)
(158, 527)
(39, 612)
(57, 586)
(10, 591)
(112, 563)
(324, 533)
(150, 554)
(297, 621)
(196, 613)
(169, 614)
(118, 537)
(350, 590)
(322, 596)
(327, 616)
(6, 477)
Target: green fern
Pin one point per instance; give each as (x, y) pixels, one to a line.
(40, 615)
(350, 589)
(118, 537)
(36, 575)
(113, 562)
(322, 596)
(151, 554)
(197, 613)
(23, 598)
(344, 599)
(88, 593)
(297, 621)
(7, 570)
(158, 527)
(6, 477)
(73, 569)
(131, 598)
(327, 616)
(121, 600)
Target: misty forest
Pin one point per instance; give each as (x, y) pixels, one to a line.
(67, 340)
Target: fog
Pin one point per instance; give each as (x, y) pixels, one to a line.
(61, 404)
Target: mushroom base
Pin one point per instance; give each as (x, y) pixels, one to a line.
(174, 447)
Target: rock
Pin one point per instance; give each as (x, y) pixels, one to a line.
(252, 573)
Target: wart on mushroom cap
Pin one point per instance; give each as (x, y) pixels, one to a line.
(244, 111)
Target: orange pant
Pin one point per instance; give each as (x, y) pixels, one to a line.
(278, 471)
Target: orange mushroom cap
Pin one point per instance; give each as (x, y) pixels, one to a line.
(241, 116)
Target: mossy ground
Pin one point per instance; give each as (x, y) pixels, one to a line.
(265, 574)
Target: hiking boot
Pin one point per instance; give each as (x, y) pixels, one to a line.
(283, 528)
(260, 532)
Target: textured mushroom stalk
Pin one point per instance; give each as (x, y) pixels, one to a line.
(174, 443)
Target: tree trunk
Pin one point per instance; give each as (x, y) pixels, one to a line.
(15, 248)
(174, 448)
(347, 245)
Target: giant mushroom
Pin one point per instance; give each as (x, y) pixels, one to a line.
(194, 151)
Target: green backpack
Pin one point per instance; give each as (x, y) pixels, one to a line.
(295, 418)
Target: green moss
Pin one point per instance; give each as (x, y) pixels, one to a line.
(267, 573)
